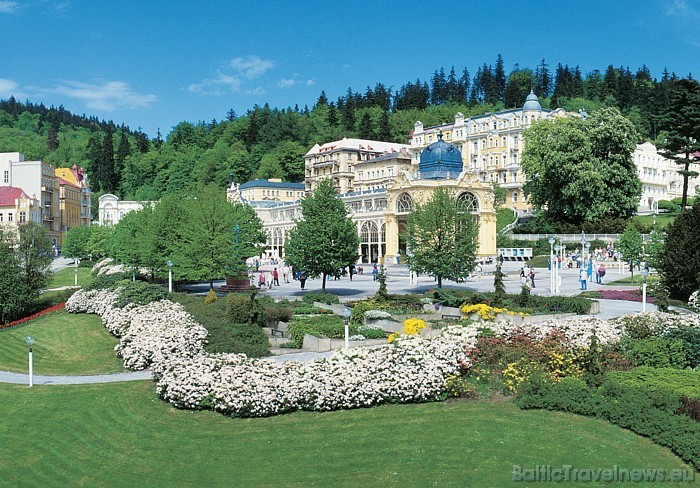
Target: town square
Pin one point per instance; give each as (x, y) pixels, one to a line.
(369, 244)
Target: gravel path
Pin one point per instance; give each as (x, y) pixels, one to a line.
(23, 379)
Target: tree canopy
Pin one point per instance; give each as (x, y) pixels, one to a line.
(582, 169)
(325, 239)
(441, 238)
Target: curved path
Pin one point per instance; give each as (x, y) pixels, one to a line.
(23, 379)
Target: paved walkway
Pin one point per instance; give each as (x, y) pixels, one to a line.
(18, 378)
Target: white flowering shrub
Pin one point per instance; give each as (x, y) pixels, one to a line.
(377, 314)
(694, 301)
(164, 337)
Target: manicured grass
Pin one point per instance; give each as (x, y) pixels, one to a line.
(66, 277)
(662, 220)
(121, 435)
(65, 344)
(504, 217)
(627, 280)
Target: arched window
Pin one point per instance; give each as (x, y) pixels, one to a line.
(467, 202)
(404, 203)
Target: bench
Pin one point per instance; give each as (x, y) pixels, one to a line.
(451, 316)
(276, 333)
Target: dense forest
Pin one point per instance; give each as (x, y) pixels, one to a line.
(270, 142)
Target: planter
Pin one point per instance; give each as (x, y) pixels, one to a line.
(236, 284)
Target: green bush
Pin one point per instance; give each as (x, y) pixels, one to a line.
(48, 299)
(211, 297)
(105, 282)
(86, 263)
(690, 338)
(682, 382)
(649, 413)
(358, 310)
(317, 296)
(326, 326)
(669, 206)
(243, 308)
(656, 353)
(139, 292)
(277, 312)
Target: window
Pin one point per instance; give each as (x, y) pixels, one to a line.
(515, 197)
(404, 203)
(22, 217)
(6, 177)
(1, 217)
(9, 217)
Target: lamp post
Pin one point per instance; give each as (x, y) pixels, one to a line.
(645, 273)
(557, 248)
(77, 262)
(30, 340)
(345, 313)
(133, 269)
(583, 244)
(170, 276)
(552, 264)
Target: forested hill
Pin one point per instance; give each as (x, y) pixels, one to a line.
(270, 142)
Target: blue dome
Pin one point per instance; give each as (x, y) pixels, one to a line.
(440, 160)
(532, 102)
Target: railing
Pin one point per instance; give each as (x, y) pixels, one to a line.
(512, 225)
(571, 237)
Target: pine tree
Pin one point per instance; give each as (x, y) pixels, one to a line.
(366, 130)
(52, 137)
(543, 80)
(499, 77)
(464, 86)
(438, 92)
(322, 99)
(679, 262)
(384, 133)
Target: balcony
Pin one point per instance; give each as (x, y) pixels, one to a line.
(511, 185)
(48, 218)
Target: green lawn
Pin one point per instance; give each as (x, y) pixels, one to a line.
(504, 217)
(662, 220)
(65, 344)
(120, 434)
(66, 277)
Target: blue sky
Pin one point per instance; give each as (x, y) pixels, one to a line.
(154, 64)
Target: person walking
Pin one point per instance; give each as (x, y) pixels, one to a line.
(601, 273)
(302, 279)
(375, 272)
(268, 280)
(261, 280)
(276, 277)
(583, 278)
(532, 277)
(285, 273)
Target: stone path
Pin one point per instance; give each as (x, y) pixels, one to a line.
(19, 378)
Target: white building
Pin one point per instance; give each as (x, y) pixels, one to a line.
(659, 176)
(112, 210)
(38, 180)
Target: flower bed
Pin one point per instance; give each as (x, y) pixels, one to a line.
(15, 323)
(412, 369)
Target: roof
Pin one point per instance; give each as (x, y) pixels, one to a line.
(356, 145)
(403, 154)
(440, 160)
(62, 181)
(9, 194)
(272, 184)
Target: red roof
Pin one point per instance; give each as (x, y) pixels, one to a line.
(8, 195)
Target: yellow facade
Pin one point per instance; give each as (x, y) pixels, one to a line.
(70, 205)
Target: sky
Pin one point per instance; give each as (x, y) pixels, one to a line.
(151, 65)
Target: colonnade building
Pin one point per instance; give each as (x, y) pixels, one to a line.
(379, 191)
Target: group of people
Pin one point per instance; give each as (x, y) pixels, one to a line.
(527, 276)
(590, 269)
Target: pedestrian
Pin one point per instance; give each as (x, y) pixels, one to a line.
(501, 258)
(583, 277)
(261, 279)
(285, 273)
(268, 280)
(522, 276)
(351, 270)
(532, 277)
(276, 277)
(375, 273)
(591, 267)
(302, 279)
(601, 273)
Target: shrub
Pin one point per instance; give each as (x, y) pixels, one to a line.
(243, 308)
(140, 293)
(86, 263)
(211, 297)
(690, 338)
(679, 261)
(656, 353)
(413, 326)
(457, 386)
(104, 282)
(690, 407)
(277, 313)
(648, 413)
(250, 340)
(370, 331)
(318, 296)
(327, 326)
(524, 296)
(358, 311)
(683, 382)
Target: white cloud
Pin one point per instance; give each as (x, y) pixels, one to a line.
(286, 82)
(108, 95)
(251, 66)
(212, 86)
(8, 7)
(310, 82)
(258, 90)
(10, 88)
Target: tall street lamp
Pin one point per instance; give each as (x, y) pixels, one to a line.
(170, 276)
(645, 273)
(583, 243)
(552, 264)
(346, 313)
(77, 262)
(30, 341)
(557, 248)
